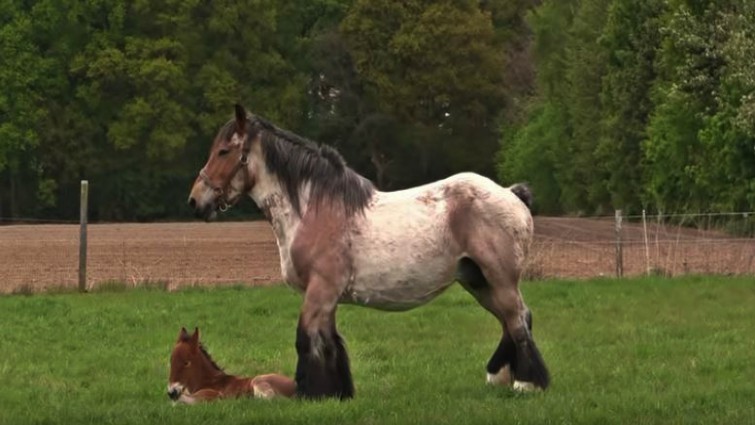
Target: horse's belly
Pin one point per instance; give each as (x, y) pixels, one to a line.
(399, 269)
(400, 286)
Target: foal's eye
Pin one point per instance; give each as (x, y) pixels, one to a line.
(223, 152)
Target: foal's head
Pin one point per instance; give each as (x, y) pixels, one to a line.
(191, 368)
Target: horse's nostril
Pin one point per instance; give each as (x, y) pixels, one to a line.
(192, 202)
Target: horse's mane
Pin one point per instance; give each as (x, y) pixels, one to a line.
(297, 161)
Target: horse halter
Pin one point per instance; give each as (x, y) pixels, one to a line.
(242, 165)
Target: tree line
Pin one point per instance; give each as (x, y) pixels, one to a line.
(639, 104)
(599, 104)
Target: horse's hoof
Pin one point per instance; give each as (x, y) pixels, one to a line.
(503, 377)
(524, 387)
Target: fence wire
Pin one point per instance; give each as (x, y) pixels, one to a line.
(36, 257)
(659, 244)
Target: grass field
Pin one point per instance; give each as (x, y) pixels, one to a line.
(633, 351)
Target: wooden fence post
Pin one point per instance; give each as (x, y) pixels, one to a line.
(83, 236)
(647, 248)
(619, 253)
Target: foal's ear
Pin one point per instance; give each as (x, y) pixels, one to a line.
(240, 119)
(183, 335)
(195, 337)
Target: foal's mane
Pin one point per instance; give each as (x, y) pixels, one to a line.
(297, 161)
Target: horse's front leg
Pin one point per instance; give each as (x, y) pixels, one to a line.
(323, 366)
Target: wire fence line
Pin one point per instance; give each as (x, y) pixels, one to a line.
(658, 244)
(35, 257)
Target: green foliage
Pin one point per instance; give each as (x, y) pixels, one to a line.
(445, 101)
(537, 150)
(651, 351)
(630, 39)
(600, 104)
(532, 155)
(655, 100)
(700, 155)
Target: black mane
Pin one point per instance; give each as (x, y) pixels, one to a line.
(297, 161)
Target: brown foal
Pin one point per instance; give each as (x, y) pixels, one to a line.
(195, 377)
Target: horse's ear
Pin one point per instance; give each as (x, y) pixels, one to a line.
(195, 337)
(183, 335)
(240, 119)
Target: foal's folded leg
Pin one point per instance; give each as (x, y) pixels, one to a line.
(200, 396)
(273, 385)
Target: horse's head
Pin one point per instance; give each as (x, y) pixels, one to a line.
(185, 365)
(228, 173)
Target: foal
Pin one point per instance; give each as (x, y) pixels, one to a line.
(195, 377)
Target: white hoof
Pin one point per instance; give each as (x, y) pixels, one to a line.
(503, 377)
(524, 387)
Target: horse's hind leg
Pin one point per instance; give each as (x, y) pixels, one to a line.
(322, 369)
(503, 360)
(498, 292)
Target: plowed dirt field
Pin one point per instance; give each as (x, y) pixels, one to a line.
(37, 257)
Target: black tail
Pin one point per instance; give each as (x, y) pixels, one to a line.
(523, 192)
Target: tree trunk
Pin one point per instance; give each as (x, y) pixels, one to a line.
(380, 163)
(12, 197)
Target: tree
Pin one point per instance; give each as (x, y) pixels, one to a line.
(24, 78)
(531, 150)
(699, 154)
(630, 39)
(447, 100)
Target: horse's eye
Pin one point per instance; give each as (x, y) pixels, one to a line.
(187, 364)
(223, 152)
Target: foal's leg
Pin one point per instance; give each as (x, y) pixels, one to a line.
(200, 396)
(323, 366)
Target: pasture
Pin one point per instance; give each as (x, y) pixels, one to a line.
(649, 350)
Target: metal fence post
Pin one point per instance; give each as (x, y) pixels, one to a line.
(619, 253)
(83, 236)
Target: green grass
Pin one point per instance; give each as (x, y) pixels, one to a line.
(633, 351)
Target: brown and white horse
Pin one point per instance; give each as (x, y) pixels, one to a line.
(342, 241)
(195, 377)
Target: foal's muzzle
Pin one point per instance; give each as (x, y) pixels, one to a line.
(174, 392)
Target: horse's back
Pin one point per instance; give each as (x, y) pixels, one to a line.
(480, 204)
(490, 222)
(407, 244)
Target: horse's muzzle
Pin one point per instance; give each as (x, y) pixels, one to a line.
(208, 212)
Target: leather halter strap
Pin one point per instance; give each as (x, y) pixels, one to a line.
(242, 165)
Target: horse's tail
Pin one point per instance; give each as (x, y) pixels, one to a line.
(523, 192)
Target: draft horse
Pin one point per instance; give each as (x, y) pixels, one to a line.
(342, 241)
(195, 377)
